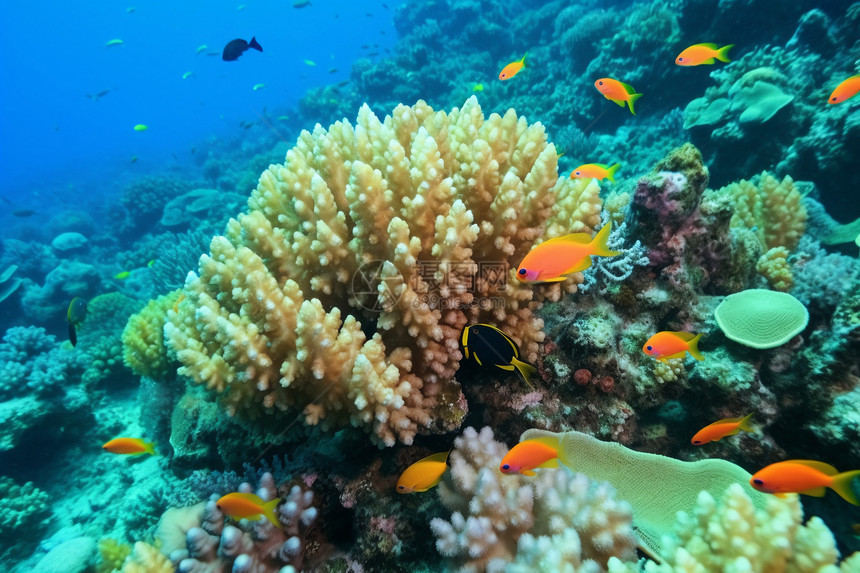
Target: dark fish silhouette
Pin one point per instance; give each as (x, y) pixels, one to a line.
(237, 47)
(75, 316)
(24, 213)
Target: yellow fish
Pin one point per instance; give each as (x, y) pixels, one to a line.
(423, 474)
(122, 275)
(140, 127)
(512, 69)
(249, 506)
(129, 446)
(597, 171)
(114, 42)
(556, 258)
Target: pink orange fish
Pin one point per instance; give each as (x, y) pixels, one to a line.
(129, 446)
(595, 171)
(554, 259)
(530, 454)
(668, 345)
(699, 54)
(249, 506)
(512, 69)
(618, 92)
(808, 477)
(845, 90)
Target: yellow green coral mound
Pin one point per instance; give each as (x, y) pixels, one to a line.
(772, 208)
(143, 347)
(341, 292)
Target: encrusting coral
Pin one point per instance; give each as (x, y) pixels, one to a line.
(407, 228)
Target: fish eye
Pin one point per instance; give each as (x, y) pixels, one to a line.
(522, 272)
(506, 467)
(697, 442)
(833, 98)
(474, 331)
(600, 83)
(400, 487)
(577, 172)
(680, 59)
(648, 348)
(758, 482)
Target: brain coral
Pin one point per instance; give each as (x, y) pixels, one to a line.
(341, 292)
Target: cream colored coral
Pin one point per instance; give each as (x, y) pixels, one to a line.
(669, 371)
(773, 208)
(147, 559)
(380, 228)
(734, 536)
(773, 265)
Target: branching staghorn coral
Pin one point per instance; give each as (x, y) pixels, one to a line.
(403, 228)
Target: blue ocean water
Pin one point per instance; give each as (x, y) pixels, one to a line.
(310, 309)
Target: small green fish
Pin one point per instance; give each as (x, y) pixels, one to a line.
(150, 263)
(114, 42)
(258, 86)
(200, 48)
(187, 75)
(140, 127)
(283, 117)
(121, 276)
(134, 158)
(130, 9)
(478, 88)
(310, 63)
(75, 315)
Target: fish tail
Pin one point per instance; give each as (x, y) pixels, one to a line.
(526, 369)
(746, 424)
(254, 44)
(693, 348)
(600, 243)
(149, 448)
(610, 173)
(269, 511)
(842, 485)
(633, 98)
(73, 334)
(723, 53)
(523, 60)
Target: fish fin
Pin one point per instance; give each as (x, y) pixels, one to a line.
(527, 472)
(842, 485)
(685, 336)
(269, 512)
(149, 448)
(693, 347)
(73, 334)
(708, 61)
(710, 45)
(527, 370)
(783, 495)
(746, 423)
(523, 60)
(815, 492)
(610, 172)
(475, 354)
(681, 354)
(579, 266)
(551, 463)
(550, 441)
(723, 53)
(826, 469)
(440, 457)
(632, 100)
(627, 87)
(618, 101)
(555, 280)
(508, 367)
(254, 44)
(600, 243)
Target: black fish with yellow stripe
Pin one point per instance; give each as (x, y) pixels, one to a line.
(489, 346)
(75, 316)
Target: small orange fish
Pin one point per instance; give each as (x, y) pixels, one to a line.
(699, 54)
(423, 474)
(845, 90)
(595, 171)
(808, 477)
(530, 454)
(132, 446)
(618, 92)
(249, 506)
(668, 345)
(512, 69)
(552, 260)
(720, 429)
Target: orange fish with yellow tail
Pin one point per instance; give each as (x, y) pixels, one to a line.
(618, 92)
(133, 446)
(669, 345)
(529, 455)
(554, 259)
(722, 428)
(808, 477)
(699, 54)
(847, 89)
(423, 474)
(249, 506)
(512, 69)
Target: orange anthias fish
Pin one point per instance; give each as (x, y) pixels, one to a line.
(618, 92)
(554, 259)
(423, 474)
(668, 345)
(512, 69)
(722, 428)
(845, 90)
(530, 454)
(132, 446)
(699, 54)
(249, 506)
(808, 477)
(595, 171)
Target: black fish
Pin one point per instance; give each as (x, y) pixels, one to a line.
(237, 47)
(24, 213)
(75, 316)
(489, 346)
